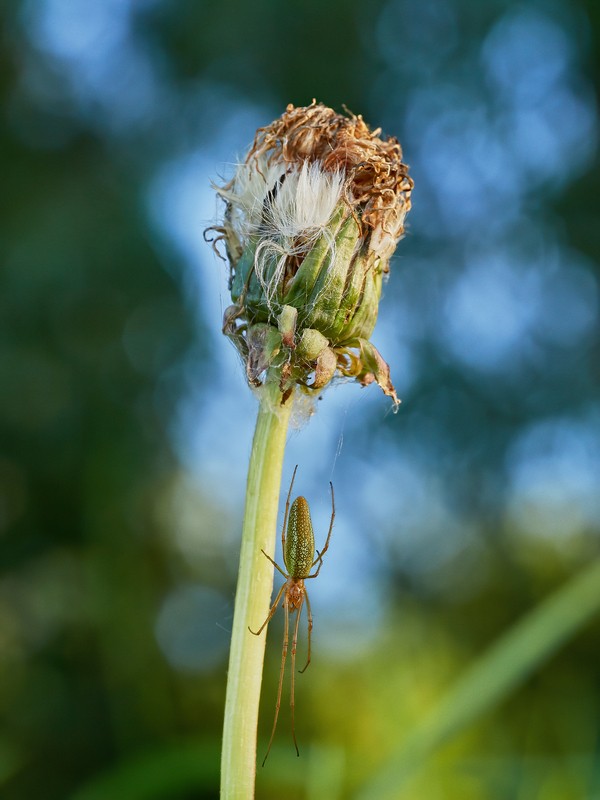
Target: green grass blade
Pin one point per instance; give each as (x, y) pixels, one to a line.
(505, 665)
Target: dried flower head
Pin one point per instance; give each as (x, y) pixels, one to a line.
(312, 217)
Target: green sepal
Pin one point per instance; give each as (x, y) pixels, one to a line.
(286, 323)
(243, 270)
(256, 302)
(328, 292)
(363, 322)
(246, 289)
(302, 284)
(352, 294)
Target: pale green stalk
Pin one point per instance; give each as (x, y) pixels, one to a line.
(253, 595)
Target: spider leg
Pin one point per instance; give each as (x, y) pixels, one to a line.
(274, 564)
(271, 612)
(310, 627)
(324, 550)
(292, 698)
(283, 658)
(319, 559)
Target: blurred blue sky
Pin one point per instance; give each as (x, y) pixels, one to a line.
(486, 277)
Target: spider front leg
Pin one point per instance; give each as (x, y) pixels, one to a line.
(271, 612)
(319, 559)
(274, 564)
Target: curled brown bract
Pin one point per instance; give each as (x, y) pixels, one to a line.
(377, 180)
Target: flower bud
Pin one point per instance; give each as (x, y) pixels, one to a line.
(312, 217)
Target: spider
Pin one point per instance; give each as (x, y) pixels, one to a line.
(299, 558)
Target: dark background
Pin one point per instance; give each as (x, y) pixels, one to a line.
(125, 423)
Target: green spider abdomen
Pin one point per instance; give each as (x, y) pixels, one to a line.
(300, 540)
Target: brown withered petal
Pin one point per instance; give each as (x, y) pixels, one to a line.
(376, 177)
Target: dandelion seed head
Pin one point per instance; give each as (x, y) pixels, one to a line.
(313, 214)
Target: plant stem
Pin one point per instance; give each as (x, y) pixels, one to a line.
(254, 588)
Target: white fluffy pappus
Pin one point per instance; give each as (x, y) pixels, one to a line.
(287, 208)
(305, 201)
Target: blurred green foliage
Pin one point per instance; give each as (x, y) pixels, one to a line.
(102, 335)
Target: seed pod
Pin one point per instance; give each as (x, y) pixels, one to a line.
(312, 217)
